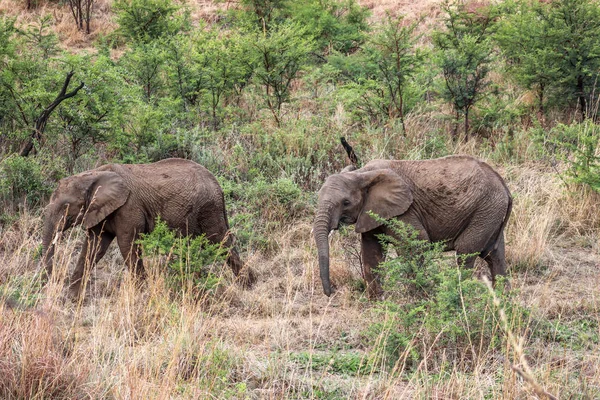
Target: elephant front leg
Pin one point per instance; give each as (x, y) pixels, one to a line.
(372, 255)
(94, 247)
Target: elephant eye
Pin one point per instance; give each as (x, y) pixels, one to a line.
(346, 203)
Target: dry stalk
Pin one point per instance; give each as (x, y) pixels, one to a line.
(517, 344)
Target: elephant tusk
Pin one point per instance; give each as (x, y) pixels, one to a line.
(330, 233)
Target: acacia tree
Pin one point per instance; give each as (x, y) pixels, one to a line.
(529, 57)
(393, 50)
(464, 53)
(223, 66)
(97, 113)
(144, 64)
(260, 14)
(32, 83)
(148, 20)
(573, 40)
(42, 120)
(554, 49)
(279, 55)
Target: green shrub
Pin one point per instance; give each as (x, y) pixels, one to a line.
(576, 145)
(258, 207)
(433, 309)
(146, 20)
(194, 260)
(21, 180)
(347, 363)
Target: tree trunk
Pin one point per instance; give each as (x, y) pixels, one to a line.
(582, 101)
(401, 110)
(466, 123)
(541, 110)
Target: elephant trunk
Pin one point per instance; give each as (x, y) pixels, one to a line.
(321, 229)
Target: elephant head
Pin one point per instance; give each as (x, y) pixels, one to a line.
(348, 197)
(87, 199)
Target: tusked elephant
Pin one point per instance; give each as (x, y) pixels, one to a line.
(456, 199)
(121, 201)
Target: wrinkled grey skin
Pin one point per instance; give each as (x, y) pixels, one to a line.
(456, 199)
(122, 201)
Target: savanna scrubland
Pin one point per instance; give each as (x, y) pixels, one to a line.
(259, 92)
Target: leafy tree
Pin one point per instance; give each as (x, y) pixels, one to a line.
(39, 37)
(97, 114)
(260, 14)
(337, 26)
(7, 54)
(144, 64)
(553, 49)
(521, 36)
(464, 55)
(360, 89)
(224, 65)
(573, 27)
(33, 84)
(279, 56)
(393, 51)
(180, 70)
(378, 80)
(147, 20)
(206, 69)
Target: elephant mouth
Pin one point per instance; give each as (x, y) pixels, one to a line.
(345, 220)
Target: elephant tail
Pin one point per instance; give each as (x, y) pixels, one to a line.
(350, 151)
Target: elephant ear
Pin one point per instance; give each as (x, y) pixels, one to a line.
(106, 195)
(386, 194)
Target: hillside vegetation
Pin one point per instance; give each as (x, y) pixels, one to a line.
(260, 92)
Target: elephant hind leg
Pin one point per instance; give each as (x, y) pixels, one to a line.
(496, 259)
(244, 274)
(480, 234)
(216, 229)
(467, 246)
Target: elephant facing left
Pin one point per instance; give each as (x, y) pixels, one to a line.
(122, 200)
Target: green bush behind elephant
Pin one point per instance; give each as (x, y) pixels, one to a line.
(122, 200)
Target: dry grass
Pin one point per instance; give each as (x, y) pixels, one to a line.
(70, 38)
(131, 341)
